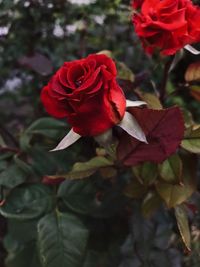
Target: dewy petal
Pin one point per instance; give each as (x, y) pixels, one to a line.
(131, 126)
(67, 141)
(130, 103)
(192, 50)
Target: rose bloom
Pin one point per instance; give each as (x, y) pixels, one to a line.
(137, 3)
(86, 93)
(167, 25)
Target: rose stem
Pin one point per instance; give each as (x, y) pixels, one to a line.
(165, 79)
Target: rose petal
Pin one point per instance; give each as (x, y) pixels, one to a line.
(54, 107)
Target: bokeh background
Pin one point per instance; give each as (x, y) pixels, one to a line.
(36, 37)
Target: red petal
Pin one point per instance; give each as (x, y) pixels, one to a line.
(104, 60)
(118, 100)
(52, 105)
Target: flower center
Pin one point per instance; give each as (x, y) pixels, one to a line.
(79, 81)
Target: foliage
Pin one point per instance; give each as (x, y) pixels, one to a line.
(126, 204)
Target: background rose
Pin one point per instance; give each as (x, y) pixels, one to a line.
(86, 93)
(168, 25)
(136, 3)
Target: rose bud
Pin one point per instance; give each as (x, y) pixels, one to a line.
(168, 25)
(85, 92)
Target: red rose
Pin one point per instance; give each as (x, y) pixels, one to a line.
(86, 93)
(168, 25)
(137, 3)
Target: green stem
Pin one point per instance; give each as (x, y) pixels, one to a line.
(165, 79)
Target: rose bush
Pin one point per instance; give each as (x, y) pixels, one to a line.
(167, 25)
(86, 93)
(105, 200)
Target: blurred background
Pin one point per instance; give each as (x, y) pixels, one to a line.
(36, 37)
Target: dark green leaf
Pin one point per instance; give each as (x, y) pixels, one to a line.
(24, 256)
(150, 204)
(135, 189)
(27, 202)
(79, 196)
(171, 169)
(191, 141)
(146, 173)
(62, 240)
(85, 169)
(174, 194)
(48, 127)
(12, 176)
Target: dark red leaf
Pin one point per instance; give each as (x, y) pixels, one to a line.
(164, 130)
(38, 63)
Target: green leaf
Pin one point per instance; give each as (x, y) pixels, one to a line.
(16, 230)
(48, 127)
(25, 255)
(23, 166)
(62, 240)
(151, 99)
(12, 176)
(85, 169)
(43, 162)
(188, 118)
(124, 72)
(88, 198)
(146, 173)
(191, 141)
(79, 196)
(20, 243)
(3, 165)
(171, 169)
(135, 189)
(6, 155)
(174, 194)
(27, 202)
(24, 141)
(183, 225)
(150, 204)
